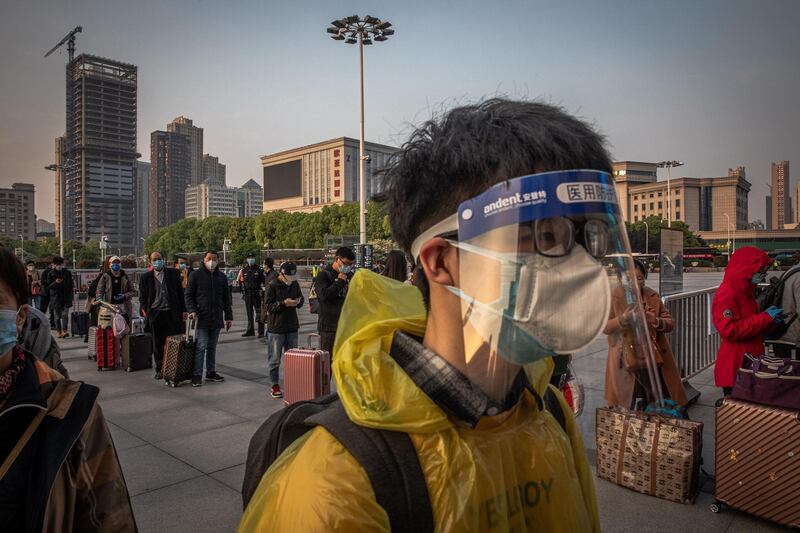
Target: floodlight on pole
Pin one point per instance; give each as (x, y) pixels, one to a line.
(669, 165)
(366, 31)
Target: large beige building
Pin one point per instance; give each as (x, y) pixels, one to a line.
(702, 203)
(781, 213)
(311, 177)
(17, 210)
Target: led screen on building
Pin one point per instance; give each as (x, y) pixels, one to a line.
(283, 180)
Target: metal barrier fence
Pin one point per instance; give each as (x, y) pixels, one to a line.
(694, 340)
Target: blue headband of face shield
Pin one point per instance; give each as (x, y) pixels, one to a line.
(535, 198)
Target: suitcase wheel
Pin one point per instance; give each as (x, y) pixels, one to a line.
(716, 507)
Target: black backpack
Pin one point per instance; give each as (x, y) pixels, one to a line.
(773, 295)
(388, 457)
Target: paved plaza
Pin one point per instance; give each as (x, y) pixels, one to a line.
(183, 450)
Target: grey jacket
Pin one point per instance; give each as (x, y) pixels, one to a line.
(790, 304)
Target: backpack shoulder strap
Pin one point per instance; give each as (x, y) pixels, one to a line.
(392, 465)
(552, 404)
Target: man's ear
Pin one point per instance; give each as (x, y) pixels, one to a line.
(439, 261)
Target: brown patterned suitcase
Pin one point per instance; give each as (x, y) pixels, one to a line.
(306, 373)
(649, 453)
(179, 353)
(758, 460)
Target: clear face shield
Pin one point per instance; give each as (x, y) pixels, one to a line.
(541, 260)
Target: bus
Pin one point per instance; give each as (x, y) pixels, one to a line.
(701, 252)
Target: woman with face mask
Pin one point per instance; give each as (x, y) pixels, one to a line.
(627, 381)
(58, 467)
(736, 316)
(34, 284)
(115, 287)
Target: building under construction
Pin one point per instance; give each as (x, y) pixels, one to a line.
(98, 151)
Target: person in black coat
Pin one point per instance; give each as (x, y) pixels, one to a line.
(331, 287)
(283, 299)
(60, 287)
(162, 304)
(208, 300)
(251, 278)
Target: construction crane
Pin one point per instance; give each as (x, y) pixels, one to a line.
(70, 40)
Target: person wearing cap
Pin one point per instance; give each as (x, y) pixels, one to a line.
(509, 237)
(251, 278)
(115, 287)
(283, 299)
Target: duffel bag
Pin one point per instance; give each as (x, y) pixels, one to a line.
(768, 380)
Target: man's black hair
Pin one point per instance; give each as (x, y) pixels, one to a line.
(250, 254)
(58, 260)
(459, 155)
(13, 275)
(270, 262)
(211, 252)
(345, 252)
(30, 263)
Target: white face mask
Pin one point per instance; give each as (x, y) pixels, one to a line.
(562, 304)
(211, 264)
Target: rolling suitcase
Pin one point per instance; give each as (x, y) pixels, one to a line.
(92, 349)
(306, 373)
(137, 352)
(78, 323)
(107, 346)
(757, 457)
(179, 355)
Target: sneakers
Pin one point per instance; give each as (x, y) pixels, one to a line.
(276, 391)
(248, 333)
(158, 375)
(214, 377)
(197, 381)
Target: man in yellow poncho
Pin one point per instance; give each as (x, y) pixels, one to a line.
(506, 239)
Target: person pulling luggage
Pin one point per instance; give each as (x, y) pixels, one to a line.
(283, 299)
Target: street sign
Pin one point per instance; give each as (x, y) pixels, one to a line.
(364, 254)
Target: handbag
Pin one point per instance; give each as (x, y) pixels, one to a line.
(649, 453)
(633, 356)
(768, 380)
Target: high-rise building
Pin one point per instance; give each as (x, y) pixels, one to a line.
(780, 194)
(170, 169)
(213, 170)
(326, 173)
(61, 146)
(210, 200)
(702, 203)
(184, 126)
(797, 203)
(17, 211)
(249, 199)
(141, 200)
(99, 151)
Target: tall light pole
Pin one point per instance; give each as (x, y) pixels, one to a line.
(728, 229)
(646, 238)
(668, 165)
(352, 30)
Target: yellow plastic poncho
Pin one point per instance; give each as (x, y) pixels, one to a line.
(517, 471)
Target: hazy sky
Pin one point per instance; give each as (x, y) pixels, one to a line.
(713, 83)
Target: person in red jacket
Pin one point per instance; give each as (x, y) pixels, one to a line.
(736, 316)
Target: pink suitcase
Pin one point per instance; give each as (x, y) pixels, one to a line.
(306, 373)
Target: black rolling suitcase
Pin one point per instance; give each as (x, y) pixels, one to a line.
(79, 323)
(137, 352)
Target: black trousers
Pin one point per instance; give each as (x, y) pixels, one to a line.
(162, 325)
(252, 302)
(326, 341)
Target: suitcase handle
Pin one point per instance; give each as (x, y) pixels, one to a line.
(308, 340)
(191, 329)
